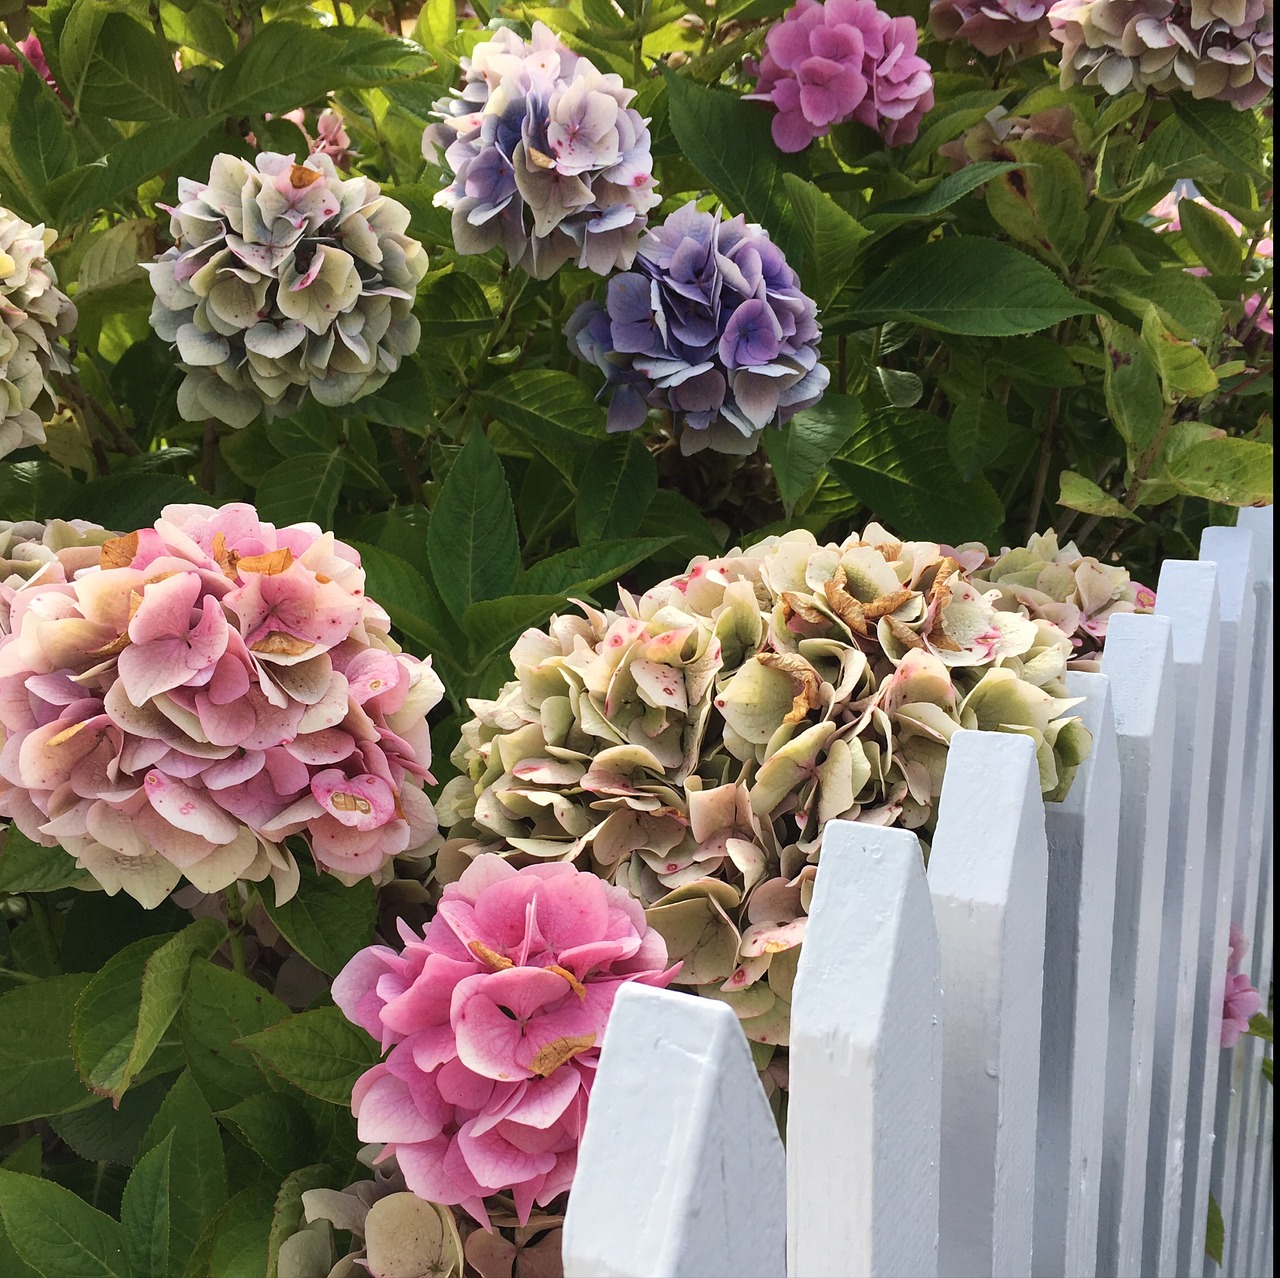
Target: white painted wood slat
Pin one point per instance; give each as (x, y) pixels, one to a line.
(1138, 660)
(681, 1172)
(987, 876)
(866, 1065)
(1188, 595)
(1082, 832)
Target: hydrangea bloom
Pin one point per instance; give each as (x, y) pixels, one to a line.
(1214, 48)
(211, 687)
(1059, 584)
(992, 26)
(284, 280)
(825, 64)
(331, 137)
(31, 49)
(711, 325)
(493, 1019)
(35, 317)
(1240, 1001)
(995, 136)
(35, 553)
(548, 159)
(693, 743)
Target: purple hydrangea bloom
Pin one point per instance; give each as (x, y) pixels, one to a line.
(548, 159)
(825, 64)
(992, 26)
(710, 325)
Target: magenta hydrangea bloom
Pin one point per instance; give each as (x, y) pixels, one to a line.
(712, 326)
(549, 160)
(825, 64)
(1240, 1001)
(493, 1019)
(209, 687)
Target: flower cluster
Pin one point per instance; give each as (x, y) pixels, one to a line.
(31, 49)
(548, 159)
(35, 553)
(284, 279)
(493, 1017)
(1214, 48)
(992, 26)
(692, 744)
(994, 137)
(1240, 1001)
(211, 687)
(1076, 592)
(35, 317)
(825, 64)
(711, 326)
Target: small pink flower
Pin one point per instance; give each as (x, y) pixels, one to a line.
(492, 1021)
(1239, 998)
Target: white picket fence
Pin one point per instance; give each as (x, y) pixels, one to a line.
(981, 1085)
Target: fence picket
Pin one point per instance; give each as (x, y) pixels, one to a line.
(866, 1065)
(1259, 1254)
(1138, 660)
(987, 876)
(1249, 892)
(681, 1172)
(1234, 551)
(1188, 595)
(1082, 832)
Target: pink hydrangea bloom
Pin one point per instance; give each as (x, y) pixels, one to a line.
(493, 1020)
(209, 687)
(1240, 1001)
(825, 64)
(33, 51)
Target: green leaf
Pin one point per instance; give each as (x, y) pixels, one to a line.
(962, 284)
(319, 1051)
(1268, 1070)
(1215, 1231)
(496, 623)
(976, 435)
(125, 1009)
(27, 867)
(1132, 386)
(1041, 204)
(178, 1186)
(326, 921)
(288, 65)
(1182, 366)
(472, 544)
(1260, 1027)
(287, 1215)
(900, 388)
(579, 570)
(453, 306)
(942, 195)
(1236, 472)
(39, 135)
(118, 68)
(437, 27)
(34, 490)
(800, 451)
(830, 235)
(899, 466)
(276, 1127)
(1186, 304)
(236, 1246)
(1232, 137)
(220, 1008)
(121, 501)
(56, 1233)
(547, 408)
(109, 1133)
(302, 489)
(730, 144)
(616, 486)
(410, 599)
(37, 1071)
(1079, 493)
(1215, 243)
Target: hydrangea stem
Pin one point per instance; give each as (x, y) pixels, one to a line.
(235, 923)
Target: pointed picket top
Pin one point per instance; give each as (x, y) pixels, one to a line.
(681, 1172)
(987, 877)
(866, 1065)
(1187, 594)
(1082, 834)
(1138, 660)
